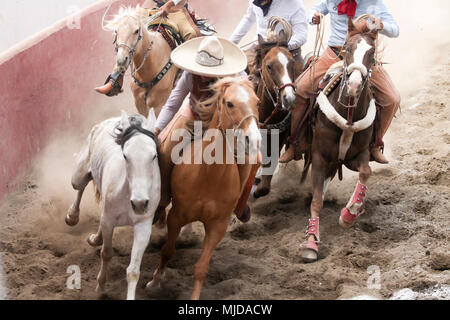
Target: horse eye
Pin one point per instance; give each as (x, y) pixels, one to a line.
(230, 105)
(269, 67)
(125, 157)
(136, 32)
(154, 157)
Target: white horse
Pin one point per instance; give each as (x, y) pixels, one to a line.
(120, 156)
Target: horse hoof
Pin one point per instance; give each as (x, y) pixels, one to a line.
(246, 215)
(100, 290)
(308, 256)
(72, 220)
(151, 285)
(259, 193)
(344, 224)
(92, 242)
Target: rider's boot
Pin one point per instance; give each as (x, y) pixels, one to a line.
(112, 86)
(378, 156)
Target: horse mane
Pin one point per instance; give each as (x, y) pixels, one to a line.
(138, 13)
(263, 47)
(206, 108)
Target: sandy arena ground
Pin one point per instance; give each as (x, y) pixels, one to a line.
(405, 232)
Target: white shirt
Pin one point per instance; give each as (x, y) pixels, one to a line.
(293, 11)
(339, 23)
(176, 98)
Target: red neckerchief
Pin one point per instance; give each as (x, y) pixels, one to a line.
(347, 7)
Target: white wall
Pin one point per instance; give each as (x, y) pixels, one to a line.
(20, 19)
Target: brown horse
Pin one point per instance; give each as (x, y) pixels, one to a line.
(343, 133)
(276, 92)
(148, 53)
(209, 192)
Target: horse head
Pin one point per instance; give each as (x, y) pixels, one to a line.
(237, 110)
(360, 49)
(129, 29)
(277, 71)
(139, 151)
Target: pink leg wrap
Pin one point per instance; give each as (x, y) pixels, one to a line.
(355, 207)
(312, 229)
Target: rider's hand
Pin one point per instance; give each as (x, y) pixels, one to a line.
(166, 7)
(377, 23)
(316, 18)
(157, 131)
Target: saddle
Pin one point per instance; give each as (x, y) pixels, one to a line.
(167, 28)
(170, 30)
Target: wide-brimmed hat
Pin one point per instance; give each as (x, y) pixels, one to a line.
(210, 56)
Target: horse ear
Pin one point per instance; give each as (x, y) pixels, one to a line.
(124, 121)
(351, 25)
(151, 120)
(282, 36)
(260, 39)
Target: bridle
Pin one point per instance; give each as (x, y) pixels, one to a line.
(235, 126)
(276, 103)
(284, 124)
(348, 69)
(131, 50)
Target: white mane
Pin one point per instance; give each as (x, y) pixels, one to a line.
(126, 13)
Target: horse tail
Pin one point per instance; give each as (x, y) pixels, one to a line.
(98, 196)
(308, 162)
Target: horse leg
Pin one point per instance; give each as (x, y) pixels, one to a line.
(263, 187)
(355, 206)
(79, 182)
(96, 239)
(174, 225)
(214, 232)
(310, 249)
(139, 100)
(106, 255)
(142, 233)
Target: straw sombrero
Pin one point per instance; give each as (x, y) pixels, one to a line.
(210, 56)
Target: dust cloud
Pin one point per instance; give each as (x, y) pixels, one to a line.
(420, 45)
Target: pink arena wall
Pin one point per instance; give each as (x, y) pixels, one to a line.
(46, 83)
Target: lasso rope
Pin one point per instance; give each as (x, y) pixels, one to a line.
(318, 44)
(271, 26)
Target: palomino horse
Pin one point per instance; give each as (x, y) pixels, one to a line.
(208, 192)
(148, 53)
(276, 91)
(343, 133)
(125, 170)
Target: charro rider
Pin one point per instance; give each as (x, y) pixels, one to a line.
(176, 11)
(204, 60)
(260, 12)
(386, 95)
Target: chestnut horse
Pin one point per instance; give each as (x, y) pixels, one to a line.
(208, 192)
(343, 132)
(276, 91)
(148, 54)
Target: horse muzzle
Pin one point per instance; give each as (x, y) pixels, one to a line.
(139, 205)
(288, 97)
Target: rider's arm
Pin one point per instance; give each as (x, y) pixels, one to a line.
(390, 26)
(245, 25)
(321, 7)
(299, 28)
(176, 98)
